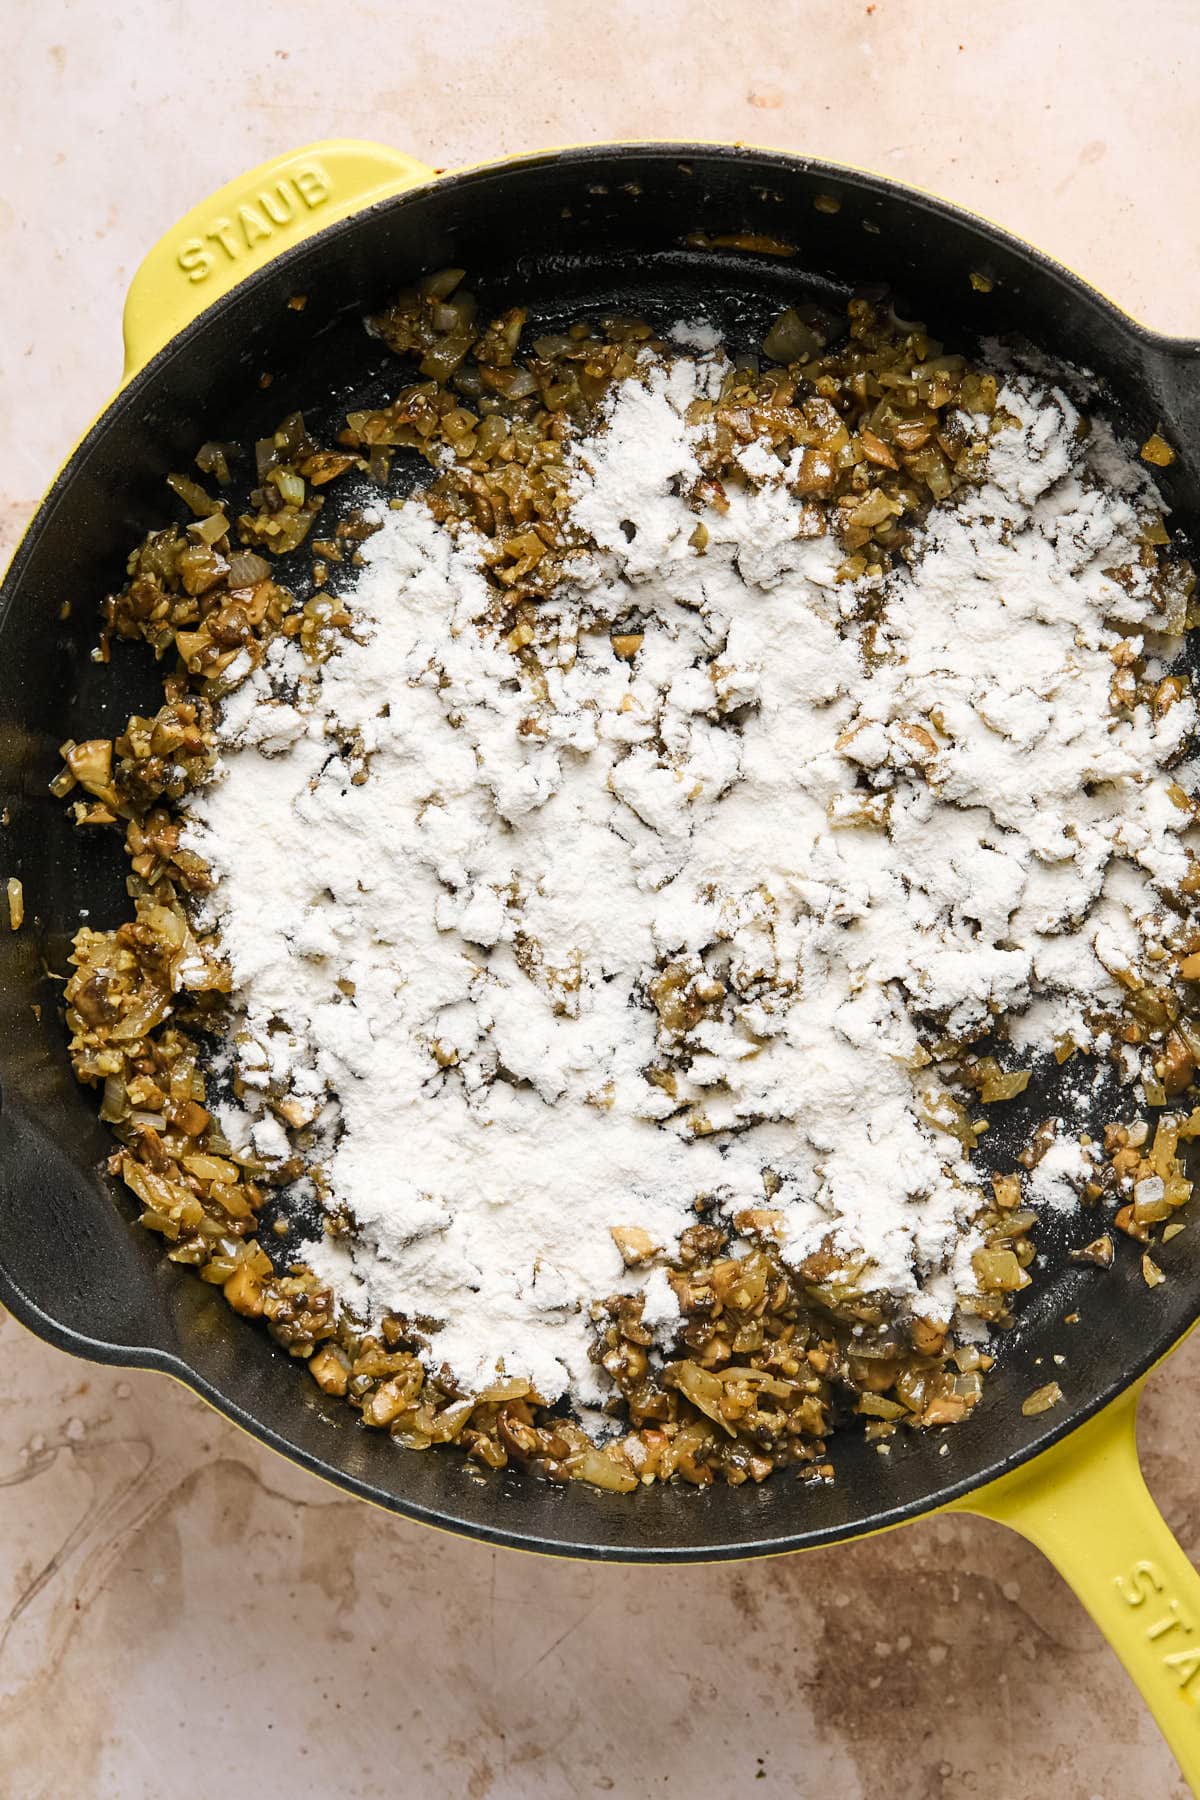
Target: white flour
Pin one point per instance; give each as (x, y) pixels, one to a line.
(446, 962)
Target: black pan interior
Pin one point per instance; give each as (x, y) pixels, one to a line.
(603, 230)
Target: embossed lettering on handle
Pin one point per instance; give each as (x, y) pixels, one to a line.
(1084, 1503)
(1146, 1583)
(246, 224)
(255, 221)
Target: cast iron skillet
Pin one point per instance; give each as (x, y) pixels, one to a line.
(588, 228)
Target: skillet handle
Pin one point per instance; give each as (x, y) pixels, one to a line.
(247, 223)
(1084, 1504)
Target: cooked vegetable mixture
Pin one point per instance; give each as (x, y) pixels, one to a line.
(737, 1347)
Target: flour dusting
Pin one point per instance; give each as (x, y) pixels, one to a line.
(662, 896)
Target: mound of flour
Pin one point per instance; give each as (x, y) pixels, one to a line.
(543, 948)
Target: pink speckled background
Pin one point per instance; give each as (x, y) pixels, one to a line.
(180, 1612)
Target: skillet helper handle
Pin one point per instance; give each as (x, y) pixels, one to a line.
(249, 222)
(1084, 1504)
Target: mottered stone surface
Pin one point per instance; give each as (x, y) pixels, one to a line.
(181, 1612)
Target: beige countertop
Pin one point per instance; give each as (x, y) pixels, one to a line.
(180, 1611)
